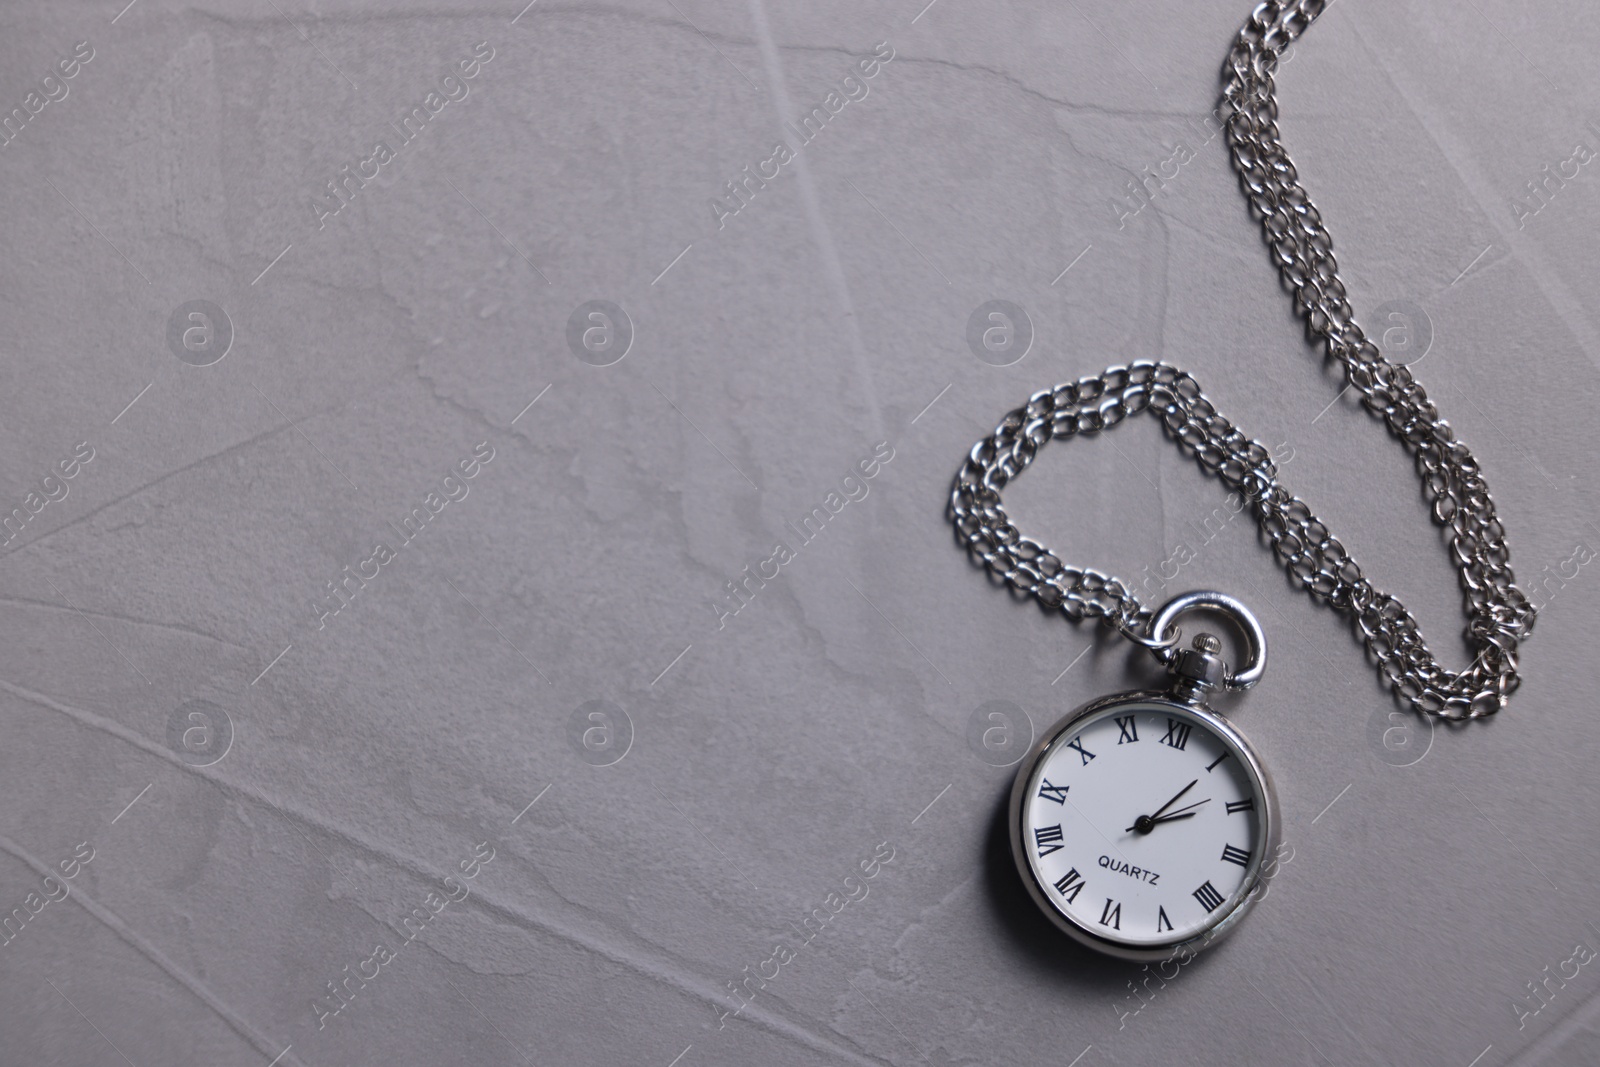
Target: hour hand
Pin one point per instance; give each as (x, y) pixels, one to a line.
(1145, 823)
(1150, 822)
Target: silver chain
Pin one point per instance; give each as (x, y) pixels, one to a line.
(1498, 613)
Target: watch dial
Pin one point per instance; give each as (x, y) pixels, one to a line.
(1143, 825)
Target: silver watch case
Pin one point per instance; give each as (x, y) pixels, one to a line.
(1256, 875)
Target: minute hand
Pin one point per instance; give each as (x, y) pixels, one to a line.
(1157, 813)
(1145, 823)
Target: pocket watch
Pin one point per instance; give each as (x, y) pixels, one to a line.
(1141, 822)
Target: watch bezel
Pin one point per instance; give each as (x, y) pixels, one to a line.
(1256, 875)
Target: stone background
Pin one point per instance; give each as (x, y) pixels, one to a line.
(743, 765)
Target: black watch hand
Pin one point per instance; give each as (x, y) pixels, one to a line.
(1185, 812)
(1157, 813)
(1145, 823)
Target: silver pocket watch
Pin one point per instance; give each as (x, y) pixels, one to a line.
(1142, 822)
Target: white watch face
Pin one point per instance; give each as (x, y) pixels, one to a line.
(1143, 825)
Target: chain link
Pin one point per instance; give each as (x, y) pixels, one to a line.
(1499, 614)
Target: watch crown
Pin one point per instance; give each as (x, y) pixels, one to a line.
(1199, 667)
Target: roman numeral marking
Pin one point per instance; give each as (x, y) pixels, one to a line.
(1049, 835)
(1177, 734)
(1070, 885)
(1077, 743)
(1236, 855)
(1057, 793)
(1111, 917)
(1130, 730)
(1162, 922)
(1208, 897)
(1218, 760)
(1242, 805)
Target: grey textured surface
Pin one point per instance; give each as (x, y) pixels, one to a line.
(768, 758)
